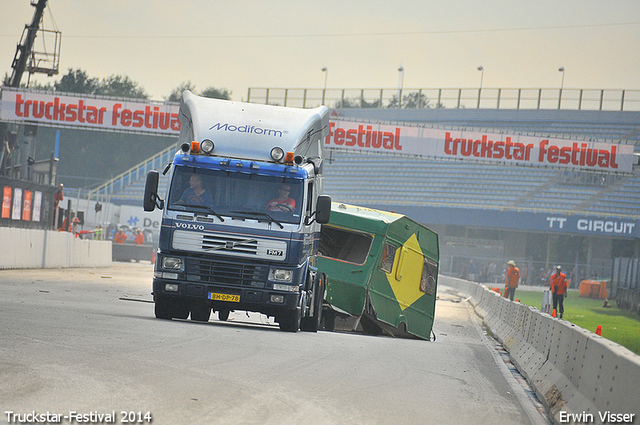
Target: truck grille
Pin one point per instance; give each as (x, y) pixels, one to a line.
(230, 244)
(225, 272)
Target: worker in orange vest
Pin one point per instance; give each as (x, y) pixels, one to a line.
(139, 240)
(558, 283)
(513, 276)
(120, 237)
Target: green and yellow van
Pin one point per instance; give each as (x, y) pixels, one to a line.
(381, 268)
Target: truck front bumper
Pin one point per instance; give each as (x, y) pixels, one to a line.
(266, 301)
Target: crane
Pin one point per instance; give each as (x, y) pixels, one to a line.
(27, 59)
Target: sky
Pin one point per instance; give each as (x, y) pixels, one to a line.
(239, 44)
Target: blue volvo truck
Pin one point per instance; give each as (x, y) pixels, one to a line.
(242, 214)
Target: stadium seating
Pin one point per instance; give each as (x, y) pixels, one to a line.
(365, 178)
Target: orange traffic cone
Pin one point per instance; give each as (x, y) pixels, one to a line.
(553, 313)
(599, 330)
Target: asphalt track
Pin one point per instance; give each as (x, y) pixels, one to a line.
(86, 340)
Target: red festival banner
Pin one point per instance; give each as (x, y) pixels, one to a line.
(26, 206)
(502, 148)
(84, 111)
(6, 202)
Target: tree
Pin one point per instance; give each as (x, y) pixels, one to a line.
(38, 86)
(413, 100)
(215, 93)
(176, 94)
(33, 84)
(347, 103)
(77, 81)
(121, 86)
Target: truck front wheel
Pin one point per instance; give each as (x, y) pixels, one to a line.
(289, 320)
(168, 308)
(200, 312)
(162, 308)
(223, 314)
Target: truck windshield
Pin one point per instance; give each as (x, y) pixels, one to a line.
(236, 194)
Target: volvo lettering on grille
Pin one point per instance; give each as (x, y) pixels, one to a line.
(229, 244)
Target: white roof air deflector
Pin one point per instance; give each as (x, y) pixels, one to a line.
(251, 131)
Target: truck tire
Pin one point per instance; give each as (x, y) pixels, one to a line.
(200, 312)
(180, 310)
(167, 308)
(289, 320)
(162, 308)
(223, 314)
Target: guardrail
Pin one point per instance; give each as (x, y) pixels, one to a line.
(573, 371)
(450, 98)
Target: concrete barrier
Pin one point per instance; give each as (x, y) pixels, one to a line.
(573, 371)
(34, 248)
(131, 252)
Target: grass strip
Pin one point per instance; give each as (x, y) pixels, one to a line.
(619, 326)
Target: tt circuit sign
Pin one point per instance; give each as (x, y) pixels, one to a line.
(89, 112)
(585, 225)
(501, 148)
(593, 226)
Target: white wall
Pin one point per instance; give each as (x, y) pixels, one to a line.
(33, 248)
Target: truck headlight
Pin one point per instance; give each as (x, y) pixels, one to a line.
(207, 146)
(172, 263)
(277, 154)
(281, 275)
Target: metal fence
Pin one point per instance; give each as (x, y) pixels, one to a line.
(625, 274)
(451, 98)
(492, 271)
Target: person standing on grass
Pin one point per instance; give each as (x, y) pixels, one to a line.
(558, 283)
(513, 276)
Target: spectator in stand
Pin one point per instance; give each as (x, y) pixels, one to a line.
(511, 283)
(558, 283)
(139, 240)
(120, 237)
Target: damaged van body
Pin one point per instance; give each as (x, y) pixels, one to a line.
(382, 270)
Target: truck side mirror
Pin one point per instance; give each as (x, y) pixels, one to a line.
(323, 209)
(151, 199)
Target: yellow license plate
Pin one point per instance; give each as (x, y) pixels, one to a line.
(224, 297)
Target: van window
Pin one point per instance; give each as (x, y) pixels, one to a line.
(429, 276)
(388, 257)
(344, 245)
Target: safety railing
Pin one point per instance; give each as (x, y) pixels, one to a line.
(451, 98)
(132, 175)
